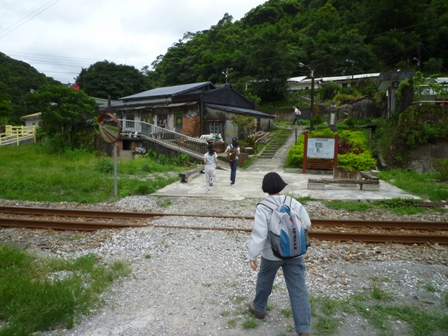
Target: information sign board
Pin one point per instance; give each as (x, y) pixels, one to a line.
(320, 148)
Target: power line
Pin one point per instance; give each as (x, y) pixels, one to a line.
(27, 18)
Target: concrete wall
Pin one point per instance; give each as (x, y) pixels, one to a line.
(422, 157)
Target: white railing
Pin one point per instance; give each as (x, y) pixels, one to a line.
(16, 134)
(166, 136)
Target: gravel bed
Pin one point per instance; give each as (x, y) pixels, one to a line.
(198, 282)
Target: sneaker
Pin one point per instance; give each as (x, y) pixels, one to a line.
(258, 315)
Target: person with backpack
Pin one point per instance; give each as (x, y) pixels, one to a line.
(233, 150)
(210, 160)
(293, 267)
(297, 114)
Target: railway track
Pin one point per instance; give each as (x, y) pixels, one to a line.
(338, 230)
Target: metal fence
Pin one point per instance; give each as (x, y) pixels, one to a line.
(166, 137)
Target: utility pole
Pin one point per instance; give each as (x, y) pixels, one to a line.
(352, 63)
(312, 93)
(226, 73)
(312, 99)
(418, 63)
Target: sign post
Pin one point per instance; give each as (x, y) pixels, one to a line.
(110, 131)
(320, 152)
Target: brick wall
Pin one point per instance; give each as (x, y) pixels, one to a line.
(191, 126)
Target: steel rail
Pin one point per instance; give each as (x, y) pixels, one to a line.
(319, 235)
(102, 214)
(381, 237)
(410, 225)
(63, 225)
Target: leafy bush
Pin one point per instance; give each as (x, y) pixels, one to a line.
(317, 120)
(359, 162)
(350, 122)
(294, 159)
(329, 90)
(357, 139)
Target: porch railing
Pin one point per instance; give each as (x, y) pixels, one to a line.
(192, 146)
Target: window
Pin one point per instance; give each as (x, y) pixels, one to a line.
(214, 127)
(130, 120)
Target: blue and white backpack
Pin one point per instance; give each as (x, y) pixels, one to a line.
(287, 234)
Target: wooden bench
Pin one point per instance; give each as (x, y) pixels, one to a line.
(188, 175)
(366, 184)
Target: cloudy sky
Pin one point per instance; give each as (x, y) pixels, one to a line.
(60, 37)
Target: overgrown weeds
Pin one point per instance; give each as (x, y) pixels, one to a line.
(44, 294)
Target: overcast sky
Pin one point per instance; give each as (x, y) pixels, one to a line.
(60, 37)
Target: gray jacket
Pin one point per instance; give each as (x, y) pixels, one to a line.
(259, 241)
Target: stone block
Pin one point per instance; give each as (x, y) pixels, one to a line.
(316, 186)
(371, 187)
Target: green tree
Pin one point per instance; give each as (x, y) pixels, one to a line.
(67, 115)
(17, 79)
(5, 109)
(104, 79)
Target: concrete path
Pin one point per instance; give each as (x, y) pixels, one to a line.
(248, 183)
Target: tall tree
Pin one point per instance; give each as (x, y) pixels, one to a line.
(104, 79)
(67, 115)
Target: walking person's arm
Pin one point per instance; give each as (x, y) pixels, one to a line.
(258, 237)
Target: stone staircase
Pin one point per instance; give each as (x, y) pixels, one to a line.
(275, 144)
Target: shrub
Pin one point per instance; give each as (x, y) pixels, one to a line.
(358, 162)
(317, 120)
(350, 122)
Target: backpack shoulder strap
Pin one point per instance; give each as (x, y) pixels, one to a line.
(287, 201)
(269, 204)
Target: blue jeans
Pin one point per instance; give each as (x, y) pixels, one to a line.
(294, 273)
(296, 118)
(233, 167)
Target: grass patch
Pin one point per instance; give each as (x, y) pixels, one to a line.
(250, 324)
(403, 206)
(44, 294)
(29, 173)
(380, 310)
(423, 185)
(304, 199)
(249, 162)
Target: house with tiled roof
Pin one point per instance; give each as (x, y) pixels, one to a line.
(190, 109)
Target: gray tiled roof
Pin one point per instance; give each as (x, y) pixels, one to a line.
(169, 91)
(240, 110)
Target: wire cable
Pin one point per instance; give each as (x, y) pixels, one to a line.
(27, 18)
